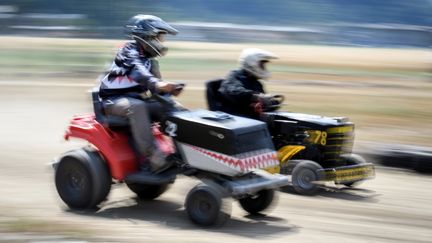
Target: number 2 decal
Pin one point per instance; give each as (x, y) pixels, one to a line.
(171, 128)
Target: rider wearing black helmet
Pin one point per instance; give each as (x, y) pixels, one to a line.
(149, 31)
(135, 71)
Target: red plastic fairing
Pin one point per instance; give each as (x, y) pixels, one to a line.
(114, 146)
(164, 143)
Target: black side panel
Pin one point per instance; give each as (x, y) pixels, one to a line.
(204, 136)
(228, 136)
(254, 140)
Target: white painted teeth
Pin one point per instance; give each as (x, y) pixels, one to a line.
(242, 162)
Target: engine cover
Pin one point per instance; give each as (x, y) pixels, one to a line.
(221, 143)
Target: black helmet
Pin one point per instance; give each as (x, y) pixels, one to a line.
(146, 30)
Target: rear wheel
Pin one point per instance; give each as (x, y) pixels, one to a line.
(257, 203)
(206, 205)
(304, 176)
(82, 179)
(148, 192)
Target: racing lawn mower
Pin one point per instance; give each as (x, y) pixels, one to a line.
(312, 149)
(227, 153)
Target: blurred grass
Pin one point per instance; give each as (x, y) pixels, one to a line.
(31, 56)
(386, 92)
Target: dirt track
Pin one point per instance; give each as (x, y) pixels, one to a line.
(395, 207)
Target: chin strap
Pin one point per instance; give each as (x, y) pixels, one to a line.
(148, 44)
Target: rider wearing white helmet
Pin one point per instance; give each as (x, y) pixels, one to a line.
(242, 87)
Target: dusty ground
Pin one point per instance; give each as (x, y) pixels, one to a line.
(395, 207)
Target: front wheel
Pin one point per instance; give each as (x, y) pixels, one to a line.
(259, 202)
(353, 159)
(207, 206)
(304, 176)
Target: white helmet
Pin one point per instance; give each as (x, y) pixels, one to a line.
(253, 60)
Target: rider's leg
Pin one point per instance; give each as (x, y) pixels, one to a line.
(139, 118)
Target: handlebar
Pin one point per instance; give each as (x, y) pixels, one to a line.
(179, 86)
(167, 101)
(280, 98)
(276, 102)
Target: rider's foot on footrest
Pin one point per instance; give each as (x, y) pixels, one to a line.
(151, 178)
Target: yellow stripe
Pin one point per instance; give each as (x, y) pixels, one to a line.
(273, 169)
(287, 152)
(342, 138)
(350, 174)
(343, 129)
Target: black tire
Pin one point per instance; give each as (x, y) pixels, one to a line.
(304, 173)
(82, 179)
(353, 159)
(206, 205)
(148, 192)
(257, 203)
(288, 167)
(422, 164)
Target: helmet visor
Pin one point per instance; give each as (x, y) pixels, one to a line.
(162, 26)
(263, 64)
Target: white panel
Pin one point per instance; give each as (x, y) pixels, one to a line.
(228, 165)
(198, 160)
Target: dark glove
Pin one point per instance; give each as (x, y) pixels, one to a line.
(266, 100)
(277, 100)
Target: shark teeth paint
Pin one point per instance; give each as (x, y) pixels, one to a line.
(230, 165)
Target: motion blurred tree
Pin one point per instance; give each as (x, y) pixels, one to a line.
(276, 12)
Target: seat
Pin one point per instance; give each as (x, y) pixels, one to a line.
(214, 99)
(110, 121)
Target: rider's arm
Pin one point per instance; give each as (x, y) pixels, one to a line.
(143, 75)
(140, 71)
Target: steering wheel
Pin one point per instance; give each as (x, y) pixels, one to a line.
(167, 101)
(279, 99)
(276, 102)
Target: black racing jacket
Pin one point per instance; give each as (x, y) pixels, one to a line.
(237, 91)
(130, 73)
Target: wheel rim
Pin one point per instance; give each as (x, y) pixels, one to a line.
(305, 178)
(203, 206)
(73, 184)
(75, 181)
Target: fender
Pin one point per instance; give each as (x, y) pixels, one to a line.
(284, 154)
(287, 152)
(113, 146)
